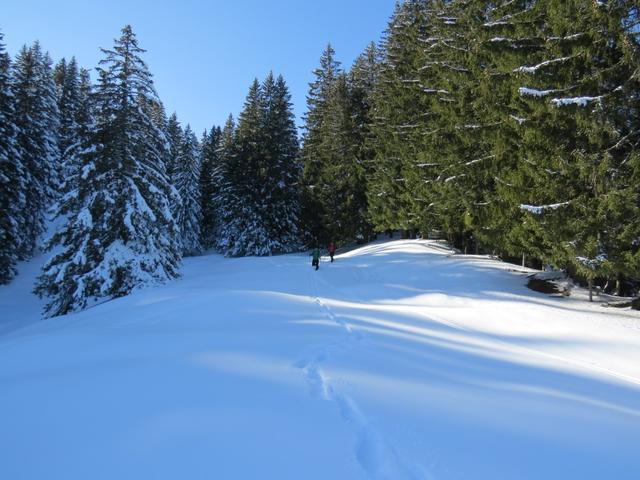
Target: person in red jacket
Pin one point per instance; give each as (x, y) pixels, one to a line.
(332, 250)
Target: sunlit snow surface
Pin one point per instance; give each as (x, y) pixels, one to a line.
(398, 361)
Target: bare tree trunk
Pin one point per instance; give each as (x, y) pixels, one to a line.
(591, 290)
(524, 257)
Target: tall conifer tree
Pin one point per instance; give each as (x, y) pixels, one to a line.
(226, 198)
(281, 177)
(210, 156)
(120, 233)
(316, 142)
(12, 177)
(37, 119)
(187, 183)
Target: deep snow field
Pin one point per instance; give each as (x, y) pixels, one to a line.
(398, 361)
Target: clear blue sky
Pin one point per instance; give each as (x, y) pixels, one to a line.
(204, 54)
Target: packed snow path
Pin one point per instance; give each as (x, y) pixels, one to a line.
(398, 361)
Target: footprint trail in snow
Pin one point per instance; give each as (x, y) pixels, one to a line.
(375, 456)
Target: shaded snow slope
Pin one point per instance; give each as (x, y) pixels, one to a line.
(19, 306)
(398, 361)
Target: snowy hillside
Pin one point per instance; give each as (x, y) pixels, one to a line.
(398, 361)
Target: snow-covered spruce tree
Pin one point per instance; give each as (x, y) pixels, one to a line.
(210, 145)
(465, 135)
(460, 190)
(245, 231)
(120, 233)
(316, 141)
(171, 141)
(362, 81)
(175, 139)
(256, 180)
(85, 121)
(37, 119)
(12, 177)
(187, 183)
(502, 37)
(406, 149)
(225, 197)
(281, 178)
(344, 192)
(337, 150)
(67, 80)
(76, 119)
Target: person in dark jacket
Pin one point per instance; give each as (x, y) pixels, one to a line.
(315, 260)
(332, 250)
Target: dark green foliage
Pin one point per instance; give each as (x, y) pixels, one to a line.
(336, 152)
(76, 119)
(208, 186)
(187, 184)
(577, 145)
(282, 170)
(512, 126)
(37, 120)
(12, 177)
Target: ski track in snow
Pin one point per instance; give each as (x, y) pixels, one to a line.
(376, 457)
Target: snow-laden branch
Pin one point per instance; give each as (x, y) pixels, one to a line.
(471, 162)
(448, 20)
(513, 42)
(455, 68)
(447, 180)
(429, 39)
(534, 68)
(575, 36)
(433, 90)
(539, 209)
(580, 101)
(475, 126)
(535, 93)
(496, 23)
(592, 263)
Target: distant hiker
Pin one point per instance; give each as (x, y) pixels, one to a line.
(332, 250)
(315, 261)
